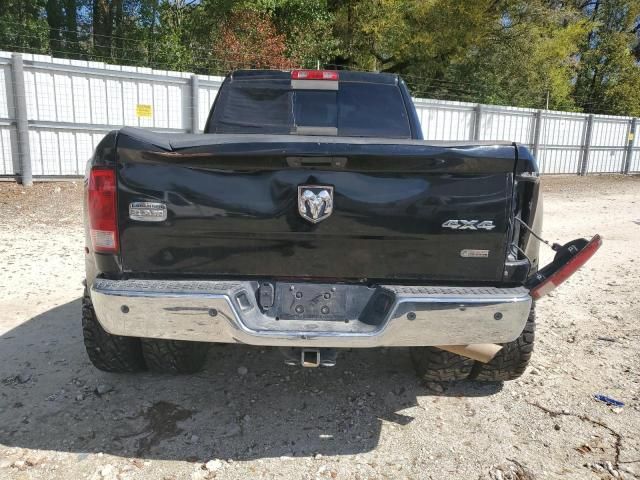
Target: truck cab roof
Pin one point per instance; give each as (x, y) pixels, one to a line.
(344, 76)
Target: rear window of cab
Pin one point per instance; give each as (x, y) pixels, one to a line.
(355, 109)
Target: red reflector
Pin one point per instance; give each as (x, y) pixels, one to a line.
(102, 210)
(568, 269)
(314, 75)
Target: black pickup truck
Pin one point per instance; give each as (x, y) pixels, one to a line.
(312, 216)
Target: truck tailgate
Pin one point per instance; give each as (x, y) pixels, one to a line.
(399, 207)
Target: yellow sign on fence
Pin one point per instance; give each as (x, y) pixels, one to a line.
(143, 110)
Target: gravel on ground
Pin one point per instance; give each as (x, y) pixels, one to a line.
(250, 416)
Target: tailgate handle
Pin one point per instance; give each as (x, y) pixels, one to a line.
(310, 162)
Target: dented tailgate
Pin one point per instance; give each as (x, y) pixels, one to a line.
(394, 210)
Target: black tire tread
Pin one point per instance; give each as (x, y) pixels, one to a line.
(512, 361)
(435, 365)
(174, 356)
(109, 353)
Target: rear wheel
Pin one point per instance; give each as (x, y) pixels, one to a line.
(110, 353)
(174, 356)
(510, 362)
(433, 364)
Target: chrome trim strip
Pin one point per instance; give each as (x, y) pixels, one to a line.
(209, 311)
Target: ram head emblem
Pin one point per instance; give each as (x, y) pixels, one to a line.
(315, 203)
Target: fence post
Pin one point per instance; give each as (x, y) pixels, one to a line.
(537, 132)
(22, 124)
(195, 110)
(586, 148)
(476, 122)
(630, 141)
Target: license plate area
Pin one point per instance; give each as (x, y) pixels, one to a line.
(303, 301)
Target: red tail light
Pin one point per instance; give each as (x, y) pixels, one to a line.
(315, 75)
(569, 268)
(102, 210)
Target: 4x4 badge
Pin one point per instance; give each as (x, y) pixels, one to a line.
(469, 224)
(315, 202)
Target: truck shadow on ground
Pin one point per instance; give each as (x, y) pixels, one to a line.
(49, 400)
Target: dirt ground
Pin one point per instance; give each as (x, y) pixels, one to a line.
(367, 418)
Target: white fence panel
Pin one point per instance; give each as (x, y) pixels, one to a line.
(37, 165)
(608, 132)
(207, 90)
(45, 96)
(608, 145)
(561, 140)
(71, 104)
(80, 99)
(115, 106)
(634, 165)
(8, 150)
(30, 92)
(86, 143)
(145, 97)
(445, 120)
(559, 160)
(8, 157)
(6, 92)
(178, 108)
(514, 125)
(130, 98)
(63, 85)
(606, 161)
(564, 129)
(98, 100)
(62, 151)
(105, 95)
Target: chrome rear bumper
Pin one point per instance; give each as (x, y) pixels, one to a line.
(227, 312)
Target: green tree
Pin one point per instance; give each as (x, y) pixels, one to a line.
(371, 34)
(249, 39)
(178, 40)
(23, 27)
(577, 55)
(527, 58)
(511, 52)
(608, 79)
(308, 28)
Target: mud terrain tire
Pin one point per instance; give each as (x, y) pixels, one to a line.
(109, 353)
(435, 365)
(174, 356)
